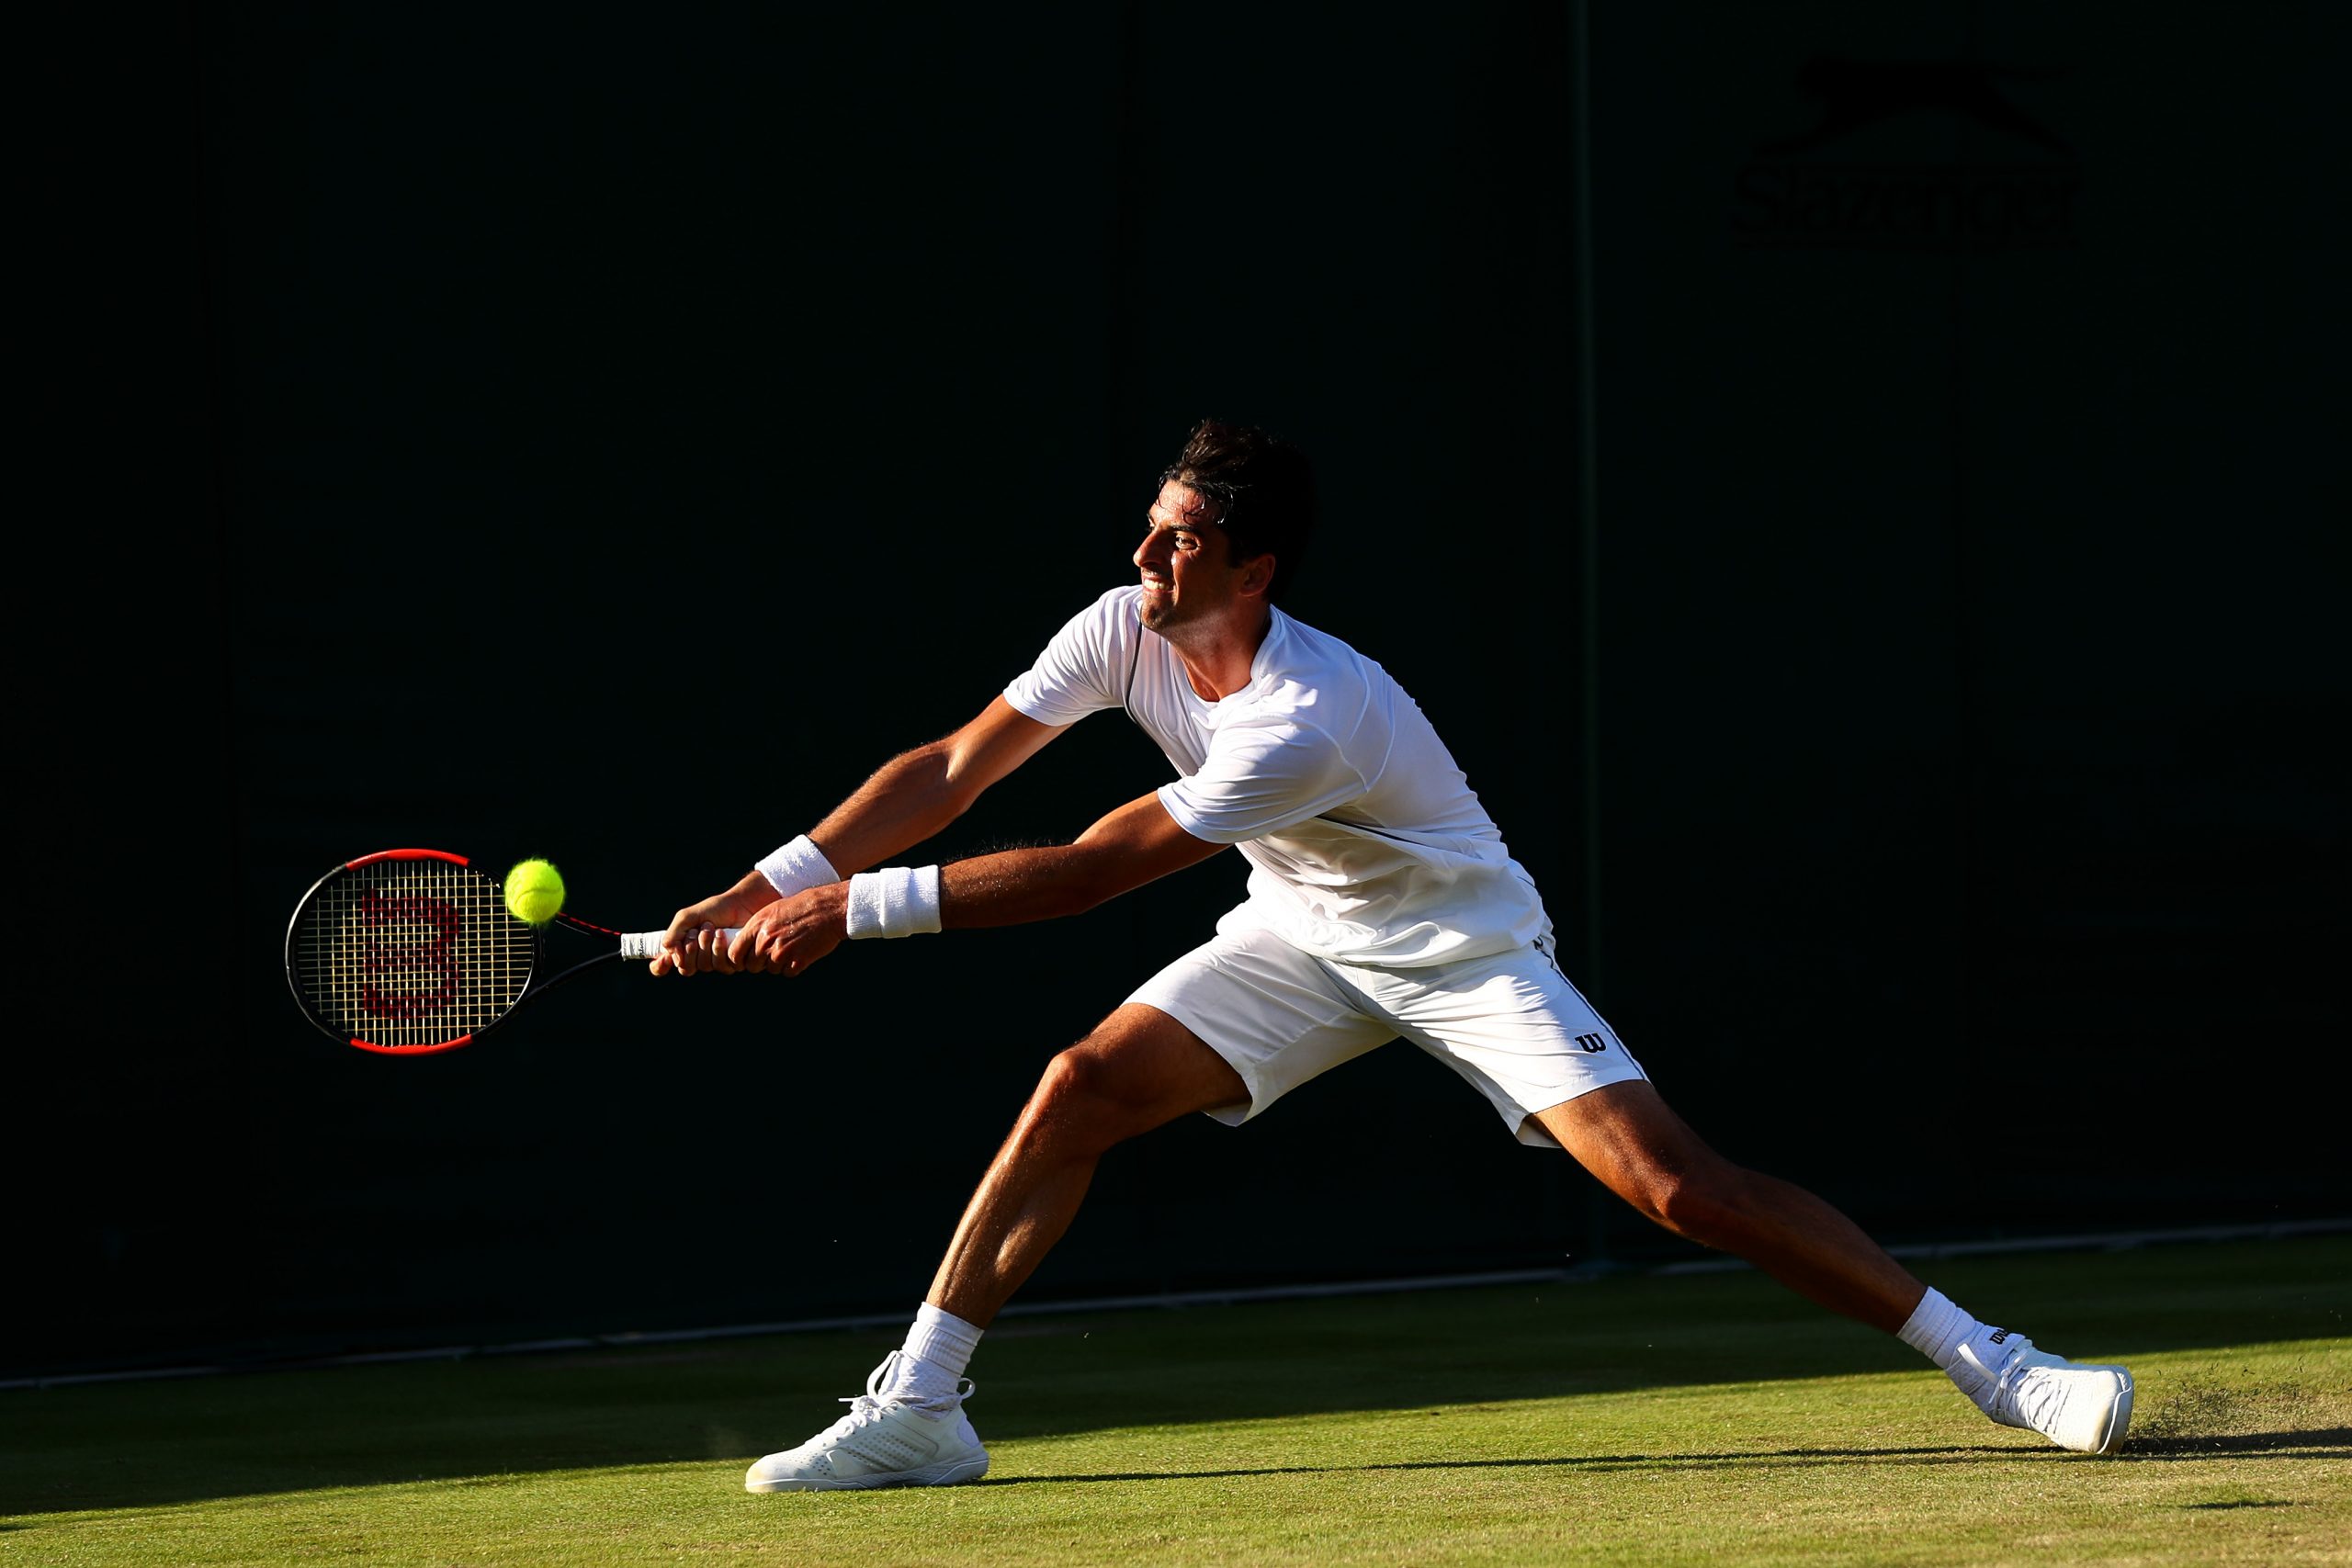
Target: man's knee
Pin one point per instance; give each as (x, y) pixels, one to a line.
(1702, 1203)
(1075, 1079)
(1084, 1102)
(1132, 1073)
(1642, 1152)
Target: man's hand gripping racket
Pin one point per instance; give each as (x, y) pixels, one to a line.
(410, 952)
(749, 931)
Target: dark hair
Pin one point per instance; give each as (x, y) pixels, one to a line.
(1264, 488)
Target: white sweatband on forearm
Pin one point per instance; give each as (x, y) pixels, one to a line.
(895, 901)
(798, 866)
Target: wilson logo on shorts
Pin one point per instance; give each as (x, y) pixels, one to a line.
(1592, 1042)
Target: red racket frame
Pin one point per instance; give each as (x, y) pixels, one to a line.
(533, 985)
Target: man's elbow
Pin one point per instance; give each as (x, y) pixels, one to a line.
(948, 789)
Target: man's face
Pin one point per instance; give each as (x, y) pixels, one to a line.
(1185, 560)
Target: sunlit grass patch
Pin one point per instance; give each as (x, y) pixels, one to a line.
(1705, 1420)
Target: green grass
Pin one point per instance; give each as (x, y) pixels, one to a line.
(1706, 1419)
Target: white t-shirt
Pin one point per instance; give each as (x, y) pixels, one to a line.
(1365, 842)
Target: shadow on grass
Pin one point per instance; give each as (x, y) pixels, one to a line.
(156, 1444)
(1593, 1462)
(2331, 1444)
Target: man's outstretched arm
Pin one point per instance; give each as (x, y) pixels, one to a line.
(919, 793)
(1137, 843)
(910, 798)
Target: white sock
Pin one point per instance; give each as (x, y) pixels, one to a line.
(1936, 1328)
(931, 1363)
(1970, 1353)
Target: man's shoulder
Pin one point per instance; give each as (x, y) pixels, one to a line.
(1311, 684)
(1105, 619)
(1304, 657)
(1082, 665)
(1110, 612)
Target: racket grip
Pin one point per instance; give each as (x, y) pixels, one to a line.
(645, 945)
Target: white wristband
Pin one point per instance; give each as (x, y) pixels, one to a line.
(895, 901)
(798, 866)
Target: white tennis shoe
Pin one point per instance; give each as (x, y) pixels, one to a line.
(886, 1440)
(2085, 1408)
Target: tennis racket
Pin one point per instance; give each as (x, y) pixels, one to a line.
(410, 952)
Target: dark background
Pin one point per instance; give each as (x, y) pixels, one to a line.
(1869, 531)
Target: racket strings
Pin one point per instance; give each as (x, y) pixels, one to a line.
(412, 952)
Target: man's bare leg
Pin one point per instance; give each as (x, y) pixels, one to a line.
(1632, 1140)
(1641, 1150)
(1139, 1069)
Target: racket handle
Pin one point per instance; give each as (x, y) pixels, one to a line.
(646, 945)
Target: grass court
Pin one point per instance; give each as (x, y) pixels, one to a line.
(1702, 1419)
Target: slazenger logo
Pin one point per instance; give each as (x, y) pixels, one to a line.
(1791, 195)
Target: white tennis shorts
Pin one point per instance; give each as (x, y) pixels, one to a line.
(1510, 1024)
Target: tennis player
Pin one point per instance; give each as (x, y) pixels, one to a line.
(1382, 903)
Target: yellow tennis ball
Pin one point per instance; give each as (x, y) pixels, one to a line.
(535, 892)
